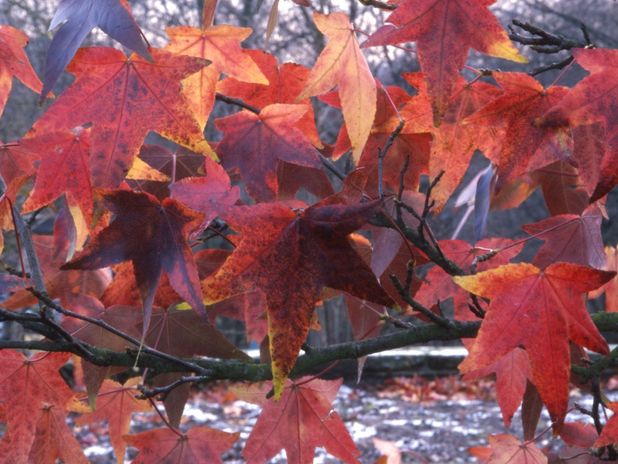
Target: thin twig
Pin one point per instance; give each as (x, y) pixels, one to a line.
(237, 102)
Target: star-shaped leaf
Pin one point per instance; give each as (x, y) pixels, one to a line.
(115, 404)
(255, 143)
(78, 18)
(39, 385)
(200, 445)
(595, 97)
(300, 421)
(342, 64)
(528, 143)
(571, 238)
(290, 256)
(285, 82)
(444, 31)
(114, 93)
(151, 234)
(541, 311)
(63, 169)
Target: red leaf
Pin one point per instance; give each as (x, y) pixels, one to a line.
(14, 63)
(508, 449)
(285, 82)
(528, 142)
(115, 404)
(152, 235)
(78, 18)
(114, 93)
(63, 169)
(254, 144)
(200, 445)
(570, 238)
(512, 373)
(209, 195)
(290, 257)
(540, 311)
(53, 439)
(444, 31)
(301, 420)
(40, 385)
(595, 97)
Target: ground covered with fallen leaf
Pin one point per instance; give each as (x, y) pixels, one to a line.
(422, 420)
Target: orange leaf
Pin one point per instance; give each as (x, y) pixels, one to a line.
(444, 31)
(342, 64)
(221, 46)
(200, 445)
(114, 93)
(299, 422)
(540, 311)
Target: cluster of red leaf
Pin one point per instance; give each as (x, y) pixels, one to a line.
(135, 245)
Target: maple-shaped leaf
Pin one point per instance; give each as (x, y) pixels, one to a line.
(570, 238)
(114, 93)
(210, 194)
(512, 373)
(78, 18)
(528, 143)
(255, 143)
(290, 256)
(200, 445)
(505, 448)
(444, 31)
(342, 64)
(115, 404)
(595, 97)
(300, 421)
(220, 45)
(285, 82)
(14, 63)
(541, 311)
(63, 169)
(38, 384)
(151, 234)
(53, 440)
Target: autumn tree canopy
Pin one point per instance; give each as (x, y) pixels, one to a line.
(131, 232)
